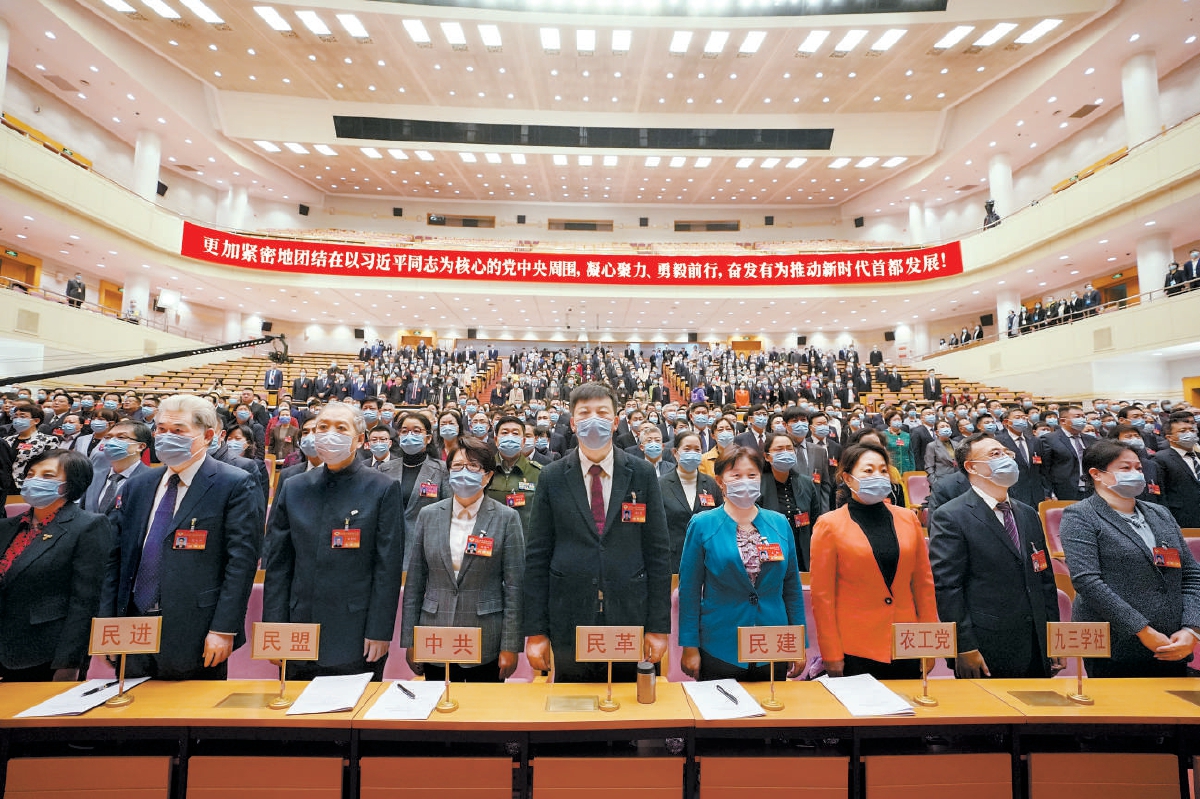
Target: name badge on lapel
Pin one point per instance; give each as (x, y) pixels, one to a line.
(769, 552)
(707, 501)
(191, 539)
(429, 490)
(1167, 557)
(480, 545)
(346, 537)
(1039, 559)
(515, 500)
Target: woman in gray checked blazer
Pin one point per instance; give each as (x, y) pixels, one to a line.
(465, 569)
(1132, 568)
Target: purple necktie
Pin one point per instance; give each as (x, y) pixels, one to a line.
(146, 584)
(597, 498)
(1010, 524)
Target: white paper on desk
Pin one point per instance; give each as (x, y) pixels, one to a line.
(331, 694)
(863, 695)
(74, 703)
(394, 705)
(714, 705)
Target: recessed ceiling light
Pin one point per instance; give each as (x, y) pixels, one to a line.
(716, 42)
(894, 161)
(160, 8)
(769, 163)
(866, 162)
(610, 160)
(1038, 31)
(653, 160)
(585, 160)
(204, 12)
(621, 41)
(518, 158)
(371, 152)
(416, 31)
(585, 40)
(273, 19)
(1132, 38)
(490, 34)
(353, 26)
(120, 5)
(850, 41)
(680, 41)
(953, 37)
(752, 42)
(551, 39)
(839, 163)
(298, 149)
(888, 40)
(454, 34)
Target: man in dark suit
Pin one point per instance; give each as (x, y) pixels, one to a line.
(76, 290)
(1062, 455)
(202, 587)
(756, 435)
(303, 387)
(876, 357)
(1091, 300)
(931, 387)
(1179, 470)
(597, 550)
(1015, 435)
(255, 468)
(335, 551)
(273, 380)
(921, 436)
(991, 570)
(124, 444)
(308, 447)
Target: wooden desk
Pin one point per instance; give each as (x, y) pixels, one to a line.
(1124, 702)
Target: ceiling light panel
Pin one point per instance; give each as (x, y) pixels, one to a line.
(314, 23)
(585, 160)
(468, 158)
(851, 40)
(493, 158)
(270, 147)
(995, 34)
(866, 162)
(888, 40)
(680, 42)
(796, 163)
(702, 162)
(813, 41)
(454, 34)
(560, 160)
(769, 163)
(490, 35)
(716, 42)
(518, 159)
(120, 5)
(424, 155)
(551, 39)
(585, 40)
(324, 149)
(204, 12)
(610, 160)
(161, 8)
(622, 40)
(653, 160)
(953, 37)
(398, 154)
(353, 26)
(371, 152)
(416, 31)
(1038, 31)
(298, 149)
(894, 162)
(839, 163)
(752, 42)
(744, 163)
(677, 161)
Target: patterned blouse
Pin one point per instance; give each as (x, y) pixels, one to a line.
(25, 450)
(748, 538)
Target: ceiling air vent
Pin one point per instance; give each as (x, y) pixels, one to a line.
(60, 82)
(1084, 110)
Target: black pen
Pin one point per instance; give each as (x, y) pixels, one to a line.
(727, 695)
(407, 692)
(99, 688)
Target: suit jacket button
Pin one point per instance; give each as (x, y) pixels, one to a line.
(754, 599)
(887, 600)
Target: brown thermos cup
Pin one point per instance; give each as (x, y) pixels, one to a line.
(645, 683)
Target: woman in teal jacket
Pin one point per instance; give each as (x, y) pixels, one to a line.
(738, 569)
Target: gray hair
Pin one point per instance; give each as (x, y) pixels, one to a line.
(360, 421)
(201, 411)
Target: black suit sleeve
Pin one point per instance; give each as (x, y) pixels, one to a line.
(656, 553)
(389, 564)
(245, 515)
(93, 550)
(949, 556)
(1049, 588)
(539, 549)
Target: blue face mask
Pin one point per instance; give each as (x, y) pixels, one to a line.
(760, 421)
(116, 448)
(991, 427)
(653, 449)
(1034, 418)
(873, 490)
(968, 427)
(39, 492)
(22, 423)
(70, 429)
(478, 429)
(380, 448)
(784, 461)
(1052, 422)
(895, 424)
(594, 432)
(1138, 423)
(1109, 424)
(509, 446)
(944, 433)
(1005, 472)
(689, 461)
(1129, 485)
(173, 449)
(98, 425)
(465, 483)
(387, 416)
(671, 416)
(243, 416)
(1020, 424)
(725, 438)
(1078, 423)
(799, 429)
(411, 443)
(110, 404)
(742, 493)
(371, 417)
(700, 420)
(471, 410)
(553, 418)
(308, 445)
(236, 445)
(541, 444)
(930, 419)
(333, 447)
(855, 423)
(821, 430)
(448, 431)
(87, 404)
(1187, 440)
(962, 413)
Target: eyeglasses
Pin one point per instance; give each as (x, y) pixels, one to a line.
(470, 467)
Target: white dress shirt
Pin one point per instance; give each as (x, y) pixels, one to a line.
(689, 483)
(462, 524)
(185, 479)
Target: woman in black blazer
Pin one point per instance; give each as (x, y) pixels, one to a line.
(52, 563)
(686, 482)
(803, 505)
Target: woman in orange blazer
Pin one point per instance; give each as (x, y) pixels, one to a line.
(870, 569)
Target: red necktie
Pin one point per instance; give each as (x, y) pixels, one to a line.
(597, 498)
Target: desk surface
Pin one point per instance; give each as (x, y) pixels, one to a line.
(184, 704)
(1127, 701)
(522, 706)
(811, 704)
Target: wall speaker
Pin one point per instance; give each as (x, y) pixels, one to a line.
(801, 341)
(768, 221)
(397, 212)
(987, 320)
(643, 221)
(889, 335)
(267, 326)
(859, 221)
(520, 219)
(360, 333)
(472, 332)
(303, 210)
(693, 338)
(162, 189)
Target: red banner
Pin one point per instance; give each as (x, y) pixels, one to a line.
(800, 269)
